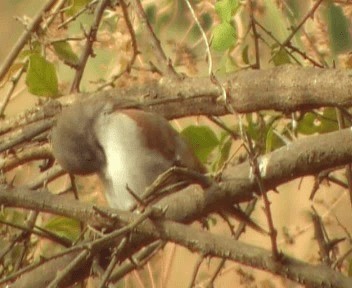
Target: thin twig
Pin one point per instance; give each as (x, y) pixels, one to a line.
(27, 134)
(196, 270)
(222, 125)
(276, 41)
(52, 15)
(256, 172)
(255, 35)
(7, 97)
(75, 193)
(348, 167)
(167, 262)
(22, 41)
(8, 248)
(30, 116)
(100, 243)
(249, 209)
(22, 238)
(88, 48)
(40, 232)
(216, 273)
(142, 257)
(319, 236)
(46, 177)
(29, 223)
(128, 67)
(61, 275)
(113, 262)
(204, 36)
(165, 62)
(15, 159)
(181, 172)
(310, 14)
(74, 17)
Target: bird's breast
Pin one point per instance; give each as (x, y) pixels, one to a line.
(130, 164)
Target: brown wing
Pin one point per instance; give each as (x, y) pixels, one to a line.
(162, 137)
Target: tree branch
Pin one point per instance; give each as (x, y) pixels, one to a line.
(25, 37)
(301, 158)
(206, 243)
(286, 88)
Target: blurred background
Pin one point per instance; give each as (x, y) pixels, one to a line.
(182, 41)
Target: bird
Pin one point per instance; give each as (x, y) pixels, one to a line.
(127, 148)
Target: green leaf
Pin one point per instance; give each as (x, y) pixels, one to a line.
(76, 6)
(225, 148)
(273, 141)
(162, 21)
(41, 78)
(253, 129)
(35, 48)
(227, 64)
(13, 216)
(206, 21)
(208, 222)
(294, 9)
(315, 123)
(64, 227)
(64, 51)
(328, 121)
(226, 9)
(338, 27)
(274, 18)
(224, 36)
(202, 139)
(151, 13)
(280, 57)
(269, 140)
(308, 125)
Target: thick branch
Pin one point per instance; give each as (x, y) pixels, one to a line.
(285, 88)
(209, 244)
(303, 157)
(307, 156)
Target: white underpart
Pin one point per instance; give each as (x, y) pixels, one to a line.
(263, 164)
(128, 162)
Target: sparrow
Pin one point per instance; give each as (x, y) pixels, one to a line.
(127, 148)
